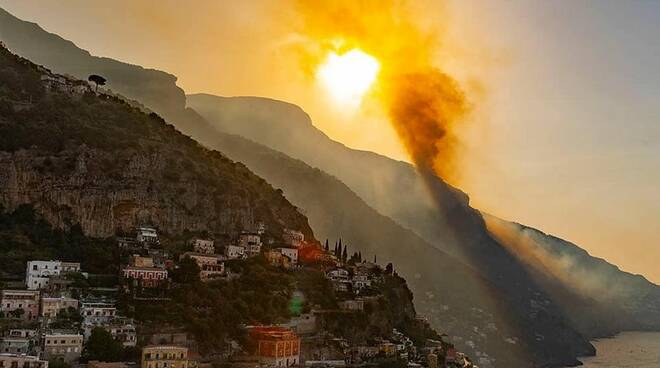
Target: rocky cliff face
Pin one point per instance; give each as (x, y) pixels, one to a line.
(76, 186)
(96, 161)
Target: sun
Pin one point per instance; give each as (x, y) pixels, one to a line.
(348, 76)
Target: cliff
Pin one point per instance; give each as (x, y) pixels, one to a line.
(96, 161)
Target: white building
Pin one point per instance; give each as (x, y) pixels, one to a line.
(361, 281)
(62, 345)
(353, 304)
(293, 238)
(205, 246)
(18, 341)
(124, 332)
(69, 267)
(38, 273)
(23, 303)
(340, 279)
(292, 253)
(251, 242)
(121, 329)
(50, 307)
(303, 324)
(235, 252)
(96, 313)
(337, 274)
(210, 265)
(147, 235)
(21, 361)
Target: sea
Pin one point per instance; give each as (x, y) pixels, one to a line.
(627, 349)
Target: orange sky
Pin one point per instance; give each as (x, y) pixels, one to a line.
(564, 134)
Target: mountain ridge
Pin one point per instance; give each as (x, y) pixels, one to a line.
(191, 122)
(68, 173)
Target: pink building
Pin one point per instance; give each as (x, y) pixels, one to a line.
(210, 265)
(147, 276)
(26, 300)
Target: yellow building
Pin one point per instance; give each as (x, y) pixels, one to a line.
(164, 356)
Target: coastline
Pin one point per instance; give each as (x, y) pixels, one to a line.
(627, 348)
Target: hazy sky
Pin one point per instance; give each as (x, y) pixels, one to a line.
(565, 135)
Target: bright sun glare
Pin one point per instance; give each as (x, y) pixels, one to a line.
(348, 76)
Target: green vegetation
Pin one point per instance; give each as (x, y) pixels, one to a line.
(317, 290)
(26, 236)
(66, 319)
(217, 310)
(55, 126)
(102, 347)
(19, 80)
(58, 363)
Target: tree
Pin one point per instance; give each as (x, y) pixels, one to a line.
(98, 80)
(327, 247)
(344, 254)
(187, 272)
(389, 269)
(66, 318)
(17, 313)
(58, 363)
(102, 347)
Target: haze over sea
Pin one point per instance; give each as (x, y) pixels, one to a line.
(628, 349)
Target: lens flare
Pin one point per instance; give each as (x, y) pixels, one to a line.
(348, 76)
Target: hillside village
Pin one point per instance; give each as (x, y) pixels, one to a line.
(55, 317)
(257, 297)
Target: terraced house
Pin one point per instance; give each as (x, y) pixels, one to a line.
(62, 345)
(165, 356)
(23, 304)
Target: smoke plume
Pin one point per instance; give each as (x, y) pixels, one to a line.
(424, 104)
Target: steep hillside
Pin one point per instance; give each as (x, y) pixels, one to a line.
(288, 129)
(599, 291)
(84, 159)
(451, 225)
(97, 161)
(476, 311)
(503, 291)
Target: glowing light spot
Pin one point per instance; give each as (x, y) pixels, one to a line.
(349, 76)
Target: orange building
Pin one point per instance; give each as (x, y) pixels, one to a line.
(276, 346)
